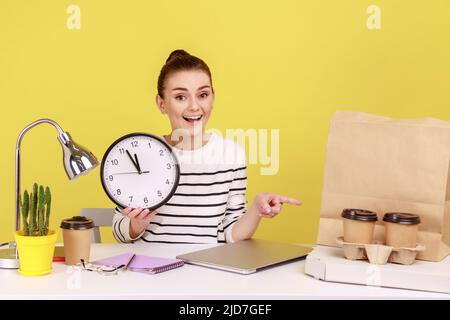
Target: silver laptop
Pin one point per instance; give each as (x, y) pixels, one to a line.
(246, 256)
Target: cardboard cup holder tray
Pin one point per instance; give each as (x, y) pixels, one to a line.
(378, 253)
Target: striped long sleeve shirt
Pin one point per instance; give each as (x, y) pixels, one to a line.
(209, 199)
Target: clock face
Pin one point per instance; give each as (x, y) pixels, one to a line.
(139, 170)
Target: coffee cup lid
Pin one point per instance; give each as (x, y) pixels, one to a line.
(401, 218)
(359, 215)
(77, 223)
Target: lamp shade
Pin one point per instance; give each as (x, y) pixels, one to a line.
(77, 159)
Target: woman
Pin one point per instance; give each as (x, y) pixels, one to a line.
(209, 204)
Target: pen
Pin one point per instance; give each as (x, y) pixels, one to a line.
(129, 262)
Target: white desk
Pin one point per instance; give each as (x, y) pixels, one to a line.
(287, 281)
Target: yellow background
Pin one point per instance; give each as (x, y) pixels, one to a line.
(275, 64)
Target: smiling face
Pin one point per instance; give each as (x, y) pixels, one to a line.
(188, 100)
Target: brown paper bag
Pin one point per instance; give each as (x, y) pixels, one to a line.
(386, 165)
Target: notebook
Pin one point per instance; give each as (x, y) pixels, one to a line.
(142, 263)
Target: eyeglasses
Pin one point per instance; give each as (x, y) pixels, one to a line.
(106, 270)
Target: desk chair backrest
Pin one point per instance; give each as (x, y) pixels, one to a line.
(102, 218)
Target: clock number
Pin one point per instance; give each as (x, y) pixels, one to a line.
(149, 145)
(119, 192)
(145, 200)
(111, 178)
(167, 181)
(114, 162)
(159, 193)
(134, 144)
(131, 198)
(161, 153)
(168, 166)
(122, 150)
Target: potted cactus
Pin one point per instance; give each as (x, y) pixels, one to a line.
(35, 242)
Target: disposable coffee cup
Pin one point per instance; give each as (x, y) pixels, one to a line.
(77, 237)
(401, 229)
(359, 225)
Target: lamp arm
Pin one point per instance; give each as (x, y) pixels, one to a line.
(19, 141)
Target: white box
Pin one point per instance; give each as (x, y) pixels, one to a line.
(329, 264)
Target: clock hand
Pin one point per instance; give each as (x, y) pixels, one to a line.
(134, 163)
(133, 172)
(137, 162)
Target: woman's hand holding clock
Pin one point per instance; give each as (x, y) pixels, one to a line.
(139, 219)
(139, 173)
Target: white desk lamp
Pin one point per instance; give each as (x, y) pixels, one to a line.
(77, 161)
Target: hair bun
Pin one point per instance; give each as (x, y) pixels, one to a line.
(177, 53)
